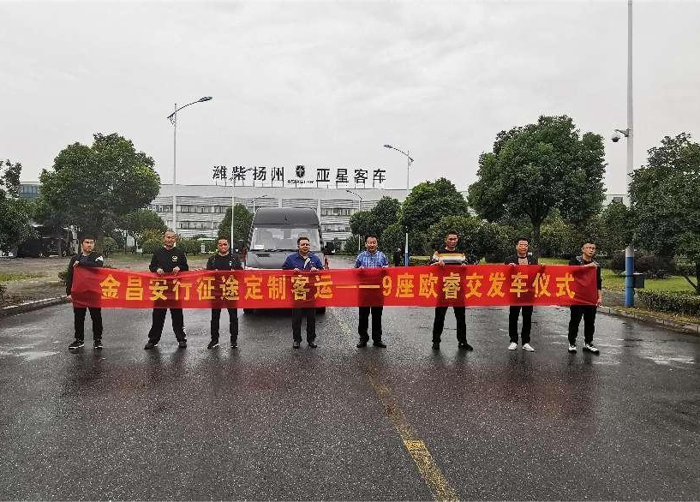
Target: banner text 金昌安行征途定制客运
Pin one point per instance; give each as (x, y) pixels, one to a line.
(426, 286)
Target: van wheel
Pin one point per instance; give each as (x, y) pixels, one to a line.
(249, 311)
(321, 310)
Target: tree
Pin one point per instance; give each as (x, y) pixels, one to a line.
(394, 236)
(617, 228)
(476, 237)
(375, 221)
(386, 212)
(9, 178)
(537, 168)
(665, 202)
(363, 223)
(242, 221)
(139, 221)
(95, 186)
(15, 225)
(428, 202)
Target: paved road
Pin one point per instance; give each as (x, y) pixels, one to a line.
(269, 422)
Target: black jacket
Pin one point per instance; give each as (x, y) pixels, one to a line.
(230, 261)
(168, 259)
(94, 259)
(531, 259)
(578, 260)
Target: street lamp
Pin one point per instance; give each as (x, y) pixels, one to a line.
(173, 120)
(617, 136)
(408, 166)
(233, 203)
(408, 187)
(256, 198)
(359, 209)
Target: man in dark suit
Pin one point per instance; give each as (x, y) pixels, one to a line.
(522, 256)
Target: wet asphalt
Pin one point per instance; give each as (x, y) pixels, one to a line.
(265, 421)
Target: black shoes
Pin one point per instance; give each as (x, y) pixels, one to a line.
(213, 344)
(296, 344)
(182, 344)
(436, 346)
(76, 345)
(151, 345)
(362, 344)
(234, 344)
(380, 344)
(465, 346)
(97, 344)
(312, 345)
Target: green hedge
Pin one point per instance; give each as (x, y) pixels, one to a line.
(418, 260)
(678, 303)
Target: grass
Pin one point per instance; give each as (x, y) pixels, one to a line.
(614, 282)
(4, 277)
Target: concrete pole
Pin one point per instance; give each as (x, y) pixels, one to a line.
(629, 251)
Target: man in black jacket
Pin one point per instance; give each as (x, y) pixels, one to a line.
(521, 257)
(86, 258)
(166, 260)
(587, 312)
(224, 259)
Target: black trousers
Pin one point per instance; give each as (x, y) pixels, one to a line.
(376, 323)
(79, 322)
(513, 323)
(297, 315)
(587, 312)
(232, 326)
(159, 322)
(439, 323)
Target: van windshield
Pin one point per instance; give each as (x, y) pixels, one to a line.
(283, 239)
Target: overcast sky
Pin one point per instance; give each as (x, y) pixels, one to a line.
(327, 84)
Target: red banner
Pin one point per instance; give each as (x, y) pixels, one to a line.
(428, 286)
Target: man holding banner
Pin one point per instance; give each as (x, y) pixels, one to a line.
(303, 260)
(371, 258)
(168, 260)
(224, 259)
(448, 255)
(521, 257)
(86, 258)
(587, 312)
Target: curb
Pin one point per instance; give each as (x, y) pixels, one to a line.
(29, 306)
(677, 326)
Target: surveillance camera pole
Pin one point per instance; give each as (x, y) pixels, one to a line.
(629, 251)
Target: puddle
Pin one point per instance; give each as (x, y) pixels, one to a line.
(34, 355)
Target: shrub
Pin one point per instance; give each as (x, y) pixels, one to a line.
(678, 303)
(62, 276)
(109, 246)
(418, 260)
(655, 267)
(2, 292)
(189, 246)
(151, 246)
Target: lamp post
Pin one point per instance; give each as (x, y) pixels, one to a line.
(629, 134)
(409, 161)
(233, 204)
(359, 208)
(173, 120)
(257, 198)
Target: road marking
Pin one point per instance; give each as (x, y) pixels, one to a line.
(416, 448)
